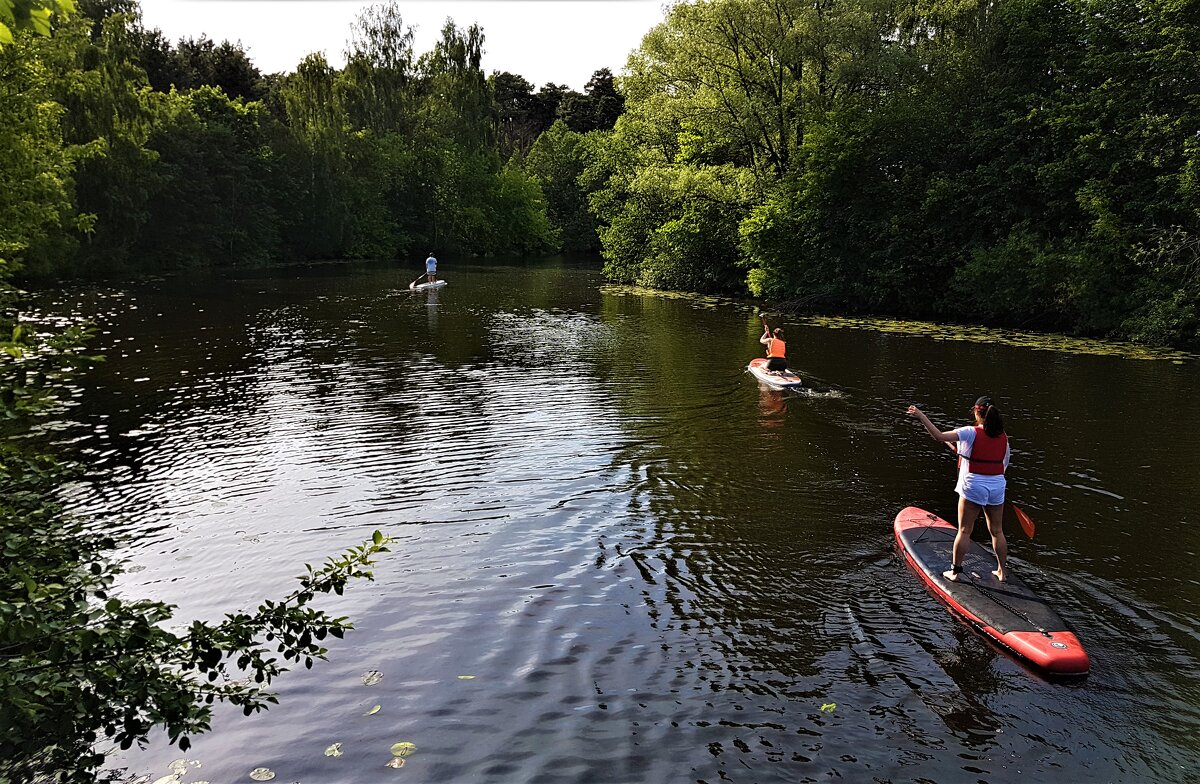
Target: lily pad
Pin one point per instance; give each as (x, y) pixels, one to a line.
(334, 750)
(373, 711)
(262, 774)
(371, 677)
(180, 767)
(829, 707)
(403, 749)
(466, 677)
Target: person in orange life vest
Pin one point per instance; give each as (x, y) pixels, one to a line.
(983, 455)
(776, 349)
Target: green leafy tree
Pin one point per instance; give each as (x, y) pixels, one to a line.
(214, 176)
(556, 161)
(107, 119)
(458, 103)
(37, 205)
(378, 86)
(318, 129)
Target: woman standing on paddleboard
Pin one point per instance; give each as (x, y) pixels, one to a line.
(983, 455)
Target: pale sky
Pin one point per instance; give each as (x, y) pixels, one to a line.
(560, 41)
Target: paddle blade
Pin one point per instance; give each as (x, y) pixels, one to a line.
(1026, 523)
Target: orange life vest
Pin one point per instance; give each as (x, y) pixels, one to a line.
(987, 453)
(776, 348)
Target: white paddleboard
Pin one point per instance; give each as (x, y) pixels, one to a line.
(785, 380)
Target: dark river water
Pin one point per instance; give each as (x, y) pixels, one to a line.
(651, 568)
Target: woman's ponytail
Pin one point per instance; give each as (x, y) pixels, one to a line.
(993, 423)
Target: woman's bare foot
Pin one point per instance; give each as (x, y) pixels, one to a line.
(952, 574)
(1000, 573)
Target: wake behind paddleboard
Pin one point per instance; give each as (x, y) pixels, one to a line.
(437, 284)
(1008, 612)
(785, 380)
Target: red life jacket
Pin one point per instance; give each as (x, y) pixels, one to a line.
(987, 453)
(776, 348)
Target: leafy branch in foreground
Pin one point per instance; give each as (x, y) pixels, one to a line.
(80, 666)
(34, 15)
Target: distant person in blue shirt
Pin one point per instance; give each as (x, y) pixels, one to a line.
(431, 268)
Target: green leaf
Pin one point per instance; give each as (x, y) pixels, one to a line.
(39, 20)
(403, 749)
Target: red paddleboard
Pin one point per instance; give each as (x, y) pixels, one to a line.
(1008, 612)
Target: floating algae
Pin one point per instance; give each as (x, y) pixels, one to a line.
(1039, 341)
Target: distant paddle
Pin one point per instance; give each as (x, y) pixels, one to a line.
(1026, 522)
(414, 283)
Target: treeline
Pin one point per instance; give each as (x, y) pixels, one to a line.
(123, 152)
(1018, 162)
(1030, 163)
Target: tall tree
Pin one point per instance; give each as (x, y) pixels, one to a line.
(519, 117)
(379, 81)
(458, 101)
(597, 109)
(37, 206)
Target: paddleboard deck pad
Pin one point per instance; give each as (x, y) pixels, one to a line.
(1008, 612)
(783, 380)
(437, 284)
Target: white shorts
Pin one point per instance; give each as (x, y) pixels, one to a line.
(983, 494)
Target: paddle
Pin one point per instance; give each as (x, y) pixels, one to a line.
(1025, 520)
